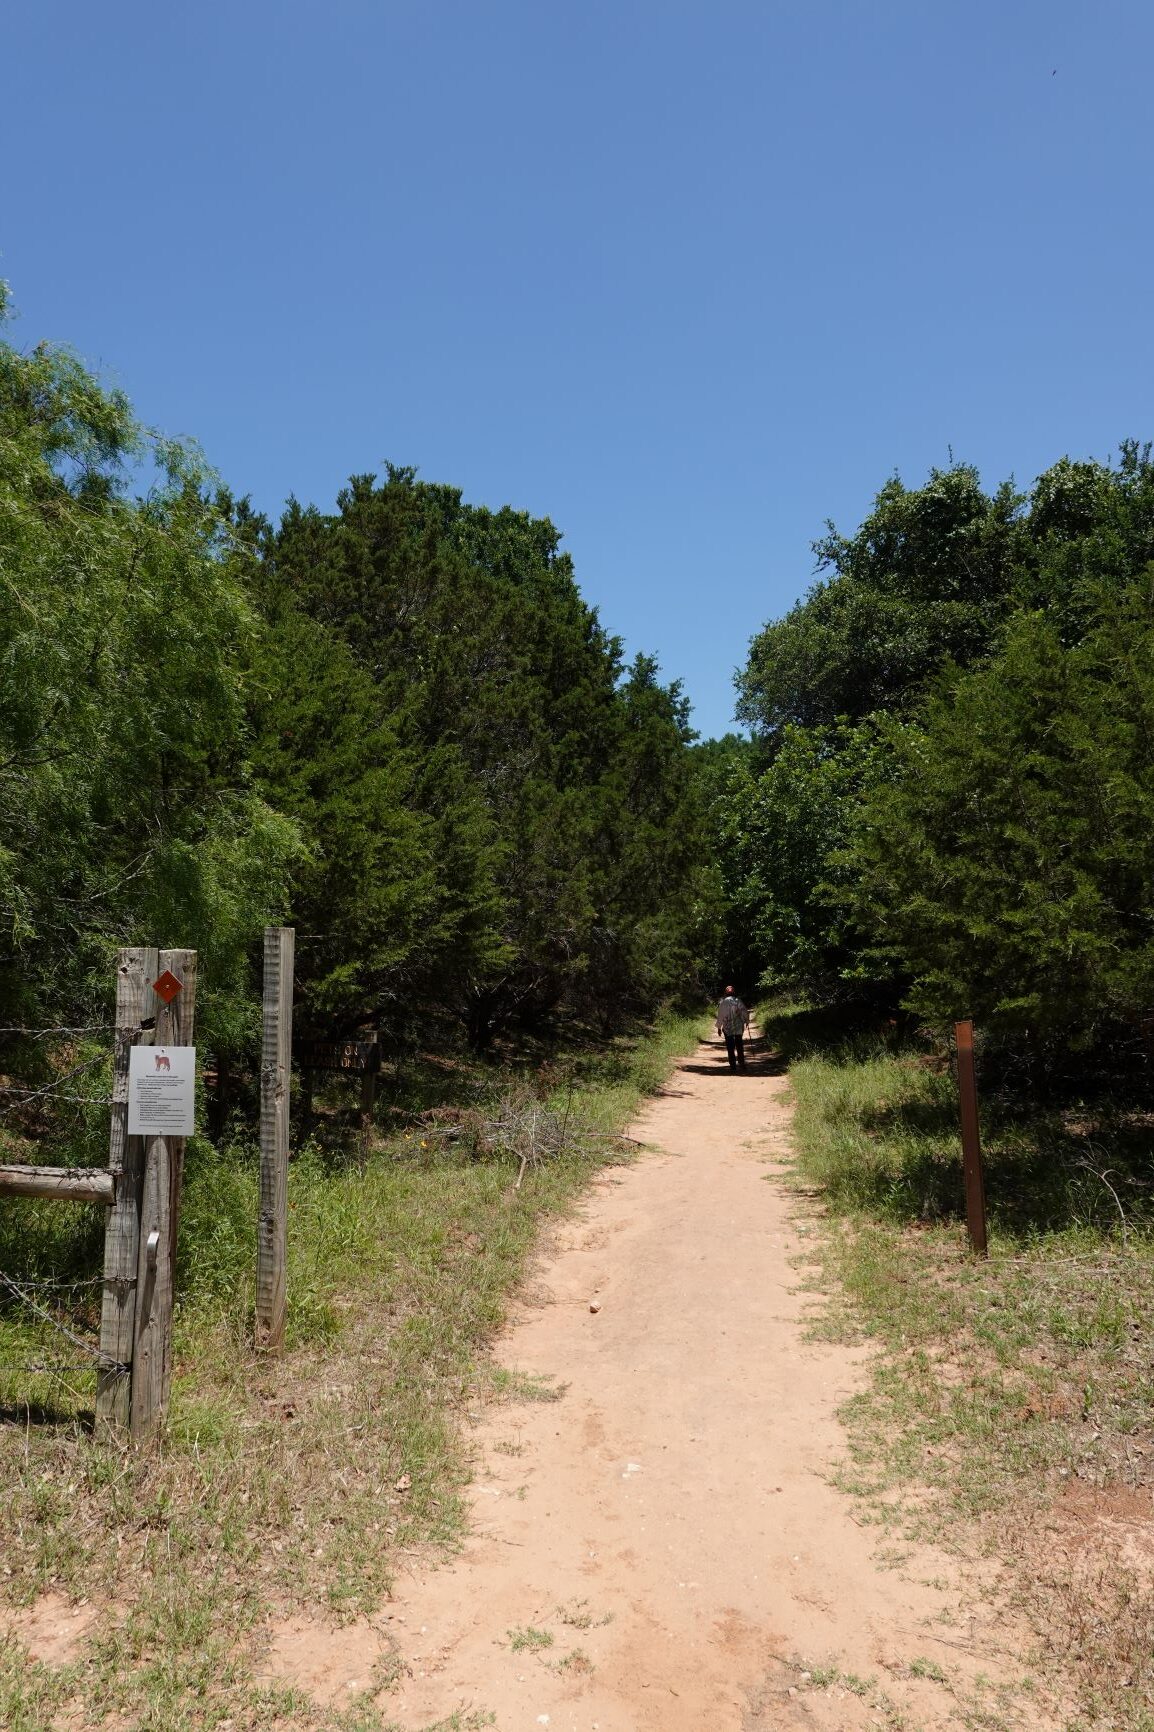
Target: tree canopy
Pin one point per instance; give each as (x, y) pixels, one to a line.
(397, 725)
(948, 798)
(128, 808)
(547, 845)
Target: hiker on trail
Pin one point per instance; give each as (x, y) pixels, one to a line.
(732, 1022)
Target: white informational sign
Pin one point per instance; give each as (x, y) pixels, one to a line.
(161, 1091)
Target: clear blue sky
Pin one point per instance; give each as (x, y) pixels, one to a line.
(686, 278)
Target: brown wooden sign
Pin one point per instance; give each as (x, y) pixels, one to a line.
(356, 1057)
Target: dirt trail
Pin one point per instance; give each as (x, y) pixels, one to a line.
(668, 1522)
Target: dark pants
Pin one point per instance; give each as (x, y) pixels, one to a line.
(735, 1050)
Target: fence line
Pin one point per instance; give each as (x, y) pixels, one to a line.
(35, 1094)
(32, 1368)
(142, 1182)
(46, 1033)
(99, 1361)
(28, 1093)
(27, 1281)
(34, 1294)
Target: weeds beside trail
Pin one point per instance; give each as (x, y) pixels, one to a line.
(1011, 1405)
(290, 1481)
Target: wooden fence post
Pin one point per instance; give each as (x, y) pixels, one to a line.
(159, 1216)
(136, 968)
(275, 1088)
(971, 1141)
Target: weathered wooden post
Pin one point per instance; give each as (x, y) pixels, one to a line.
(275, 1086)
(174, 995)
(140, 1241)
(135, 969)
(971, 1141)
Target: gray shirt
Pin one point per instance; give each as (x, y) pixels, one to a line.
(732, 1015)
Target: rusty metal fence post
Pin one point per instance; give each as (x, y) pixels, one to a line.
(971, 1141)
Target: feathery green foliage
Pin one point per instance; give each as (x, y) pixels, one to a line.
(521, 828)
(399, 725)
(127, 810)
(953, 798)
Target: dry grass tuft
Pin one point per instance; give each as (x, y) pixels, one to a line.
(289, 1484)
(1010, 1411)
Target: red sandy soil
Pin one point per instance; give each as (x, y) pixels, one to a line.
(669, 1522)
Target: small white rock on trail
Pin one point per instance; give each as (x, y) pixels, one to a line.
(669, 1522)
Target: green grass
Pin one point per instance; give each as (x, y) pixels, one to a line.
(283, 1481)
(1011, 1407)
(527, 1640)
(613, 1081)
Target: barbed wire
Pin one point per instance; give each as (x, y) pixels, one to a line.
(102, 1361)
(33, 1368)
(25, 1290)
(83, 1100)
(53, 1281)
(24, 1094)
(47, 1033)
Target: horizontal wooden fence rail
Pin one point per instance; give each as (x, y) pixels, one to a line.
(70, 1184)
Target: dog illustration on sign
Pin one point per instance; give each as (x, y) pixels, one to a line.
(163, 1062)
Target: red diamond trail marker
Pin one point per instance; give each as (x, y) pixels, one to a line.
(167, 986)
